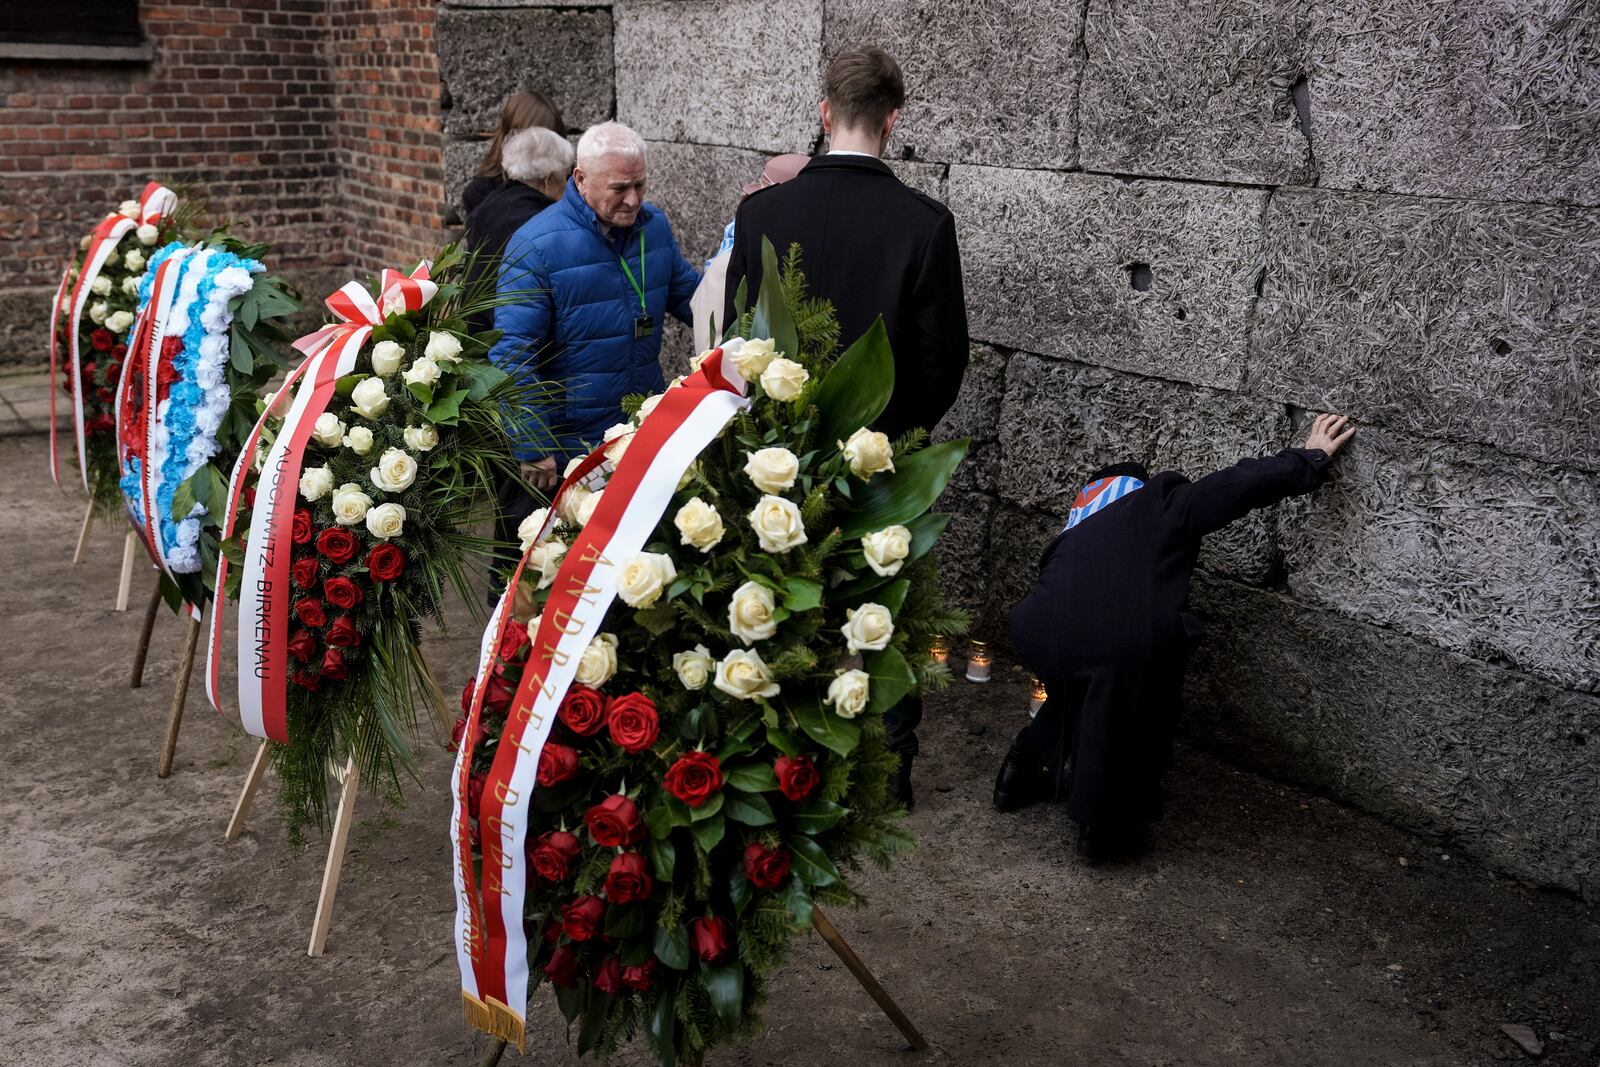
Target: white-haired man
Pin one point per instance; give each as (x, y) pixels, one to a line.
(595, 275)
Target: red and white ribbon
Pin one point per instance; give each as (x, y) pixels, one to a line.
(491, 941)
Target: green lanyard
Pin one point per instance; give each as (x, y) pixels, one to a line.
(637, 283)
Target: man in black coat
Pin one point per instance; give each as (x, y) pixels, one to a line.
(1106, 629)
(873, 247)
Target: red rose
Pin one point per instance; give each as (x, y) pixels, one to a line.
(641, 977)
(557, 763)
(694, 778)
(765, 867)
(99, 424)
(119, 350)
(497, 694)
(615, 822)
(633, 722)
(583, 710)
(466, 697)
(711, 938)
(562, 970)
(309, 611)
(305, 680)
(104, 395)
(300, 533)
(303, 645)
(113, 371)
(581, 918)
(458, 733)
(554, 854)
(475, 784)
(333, 666)
(552, 932)
(386, 562)
(342, 592)
(343, 633)
(608, 979)
(304, 569)
(513, 640)
(249, 496)
(629, 879)
(797, 777)
(337, 543)
(88, 371)
(102, 340)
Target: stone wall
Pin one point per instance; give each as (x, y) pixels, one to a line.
(1184, 227)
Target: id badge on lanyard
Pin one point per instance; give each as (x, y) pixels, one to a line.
(644, 325)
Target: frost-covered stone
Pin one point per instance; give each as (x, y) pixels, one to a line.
(486, 55)
(976, 413)
(699, 187)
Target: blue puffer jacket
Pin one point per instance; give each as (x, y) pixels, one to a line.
(574, 324)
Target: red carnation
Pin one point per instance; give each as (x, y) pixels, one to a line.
(333, 666)
(641, 977)
(615, 822)
(301, 531)
(711, 938)
(765, 867)
(167, 372)
(581, 918)
(171, 347)
(554, 854)
(457, 733)
(343, 633)
(309, 611)
(608, 979)
(562, 970)
(102, 340)
(303, 645)
(386, 562)
(694, 778)
(342, 593)
(557, 763)
(629, 879)
(303, 569)
(337, 543)
(797, 777)
(633, 722)
(583, 710)
(497, 694)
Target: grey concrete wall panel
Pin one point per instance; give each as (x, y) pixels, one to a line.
(699, 187)
(1497, 100)
(486, 55)
(1196, 90)
(976, 413)
(926, 178)
(1152, 277)
(964, 558)
(726, 72)
(1464, 321)
(1495, 558)
(460, 161)
(25, 327)
(1495, 761)
(526, 3)
(1012, 566)
(993, 83)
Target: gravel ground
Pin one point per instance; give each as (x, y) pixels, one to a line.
(1266, 925)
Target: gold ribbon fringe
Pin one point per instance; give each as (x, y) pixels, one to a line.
(493, 1017)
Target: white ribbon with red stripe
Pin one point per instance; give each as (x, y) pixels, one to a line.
(491, 941)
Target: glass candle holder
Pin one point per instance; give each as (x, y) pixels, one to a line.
(978, 662)
(1039, 697)
(939, 651)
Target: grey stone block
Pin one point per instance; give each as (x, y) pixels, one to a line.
(729, 72)
(979, 472)
(1496, 100)
(1195, 90)
(486, 55)
(1464, 321)
(699, 187)
(460, 161)
(926, 178)
(1152, 277)
(976, 413)
(25, 326)
(526, 3)
(1012, 565)
(1499, 762)
(964, 550)
(1059, 421)
(991, 83)
(1490, 557)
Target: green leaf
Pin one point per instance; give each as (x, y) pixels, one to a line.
(818, 815)
(663, 817)
(594, 1020)
(893, 596)
(751, 777)
(663, 857)
(626, 920)
(801, 594)
(892, 678)
(739, 889)
(672, 946)
(571, 1001)
(709, 833)
(741, 303)
(827, 729)
(811, 864)
(772, 317)
(634, 952)
(659, 618)
(781, 741)
(749, 808)
(347, 385)
(857, 388)
(250, 309)
(186, 496)
(239, 353)
(482, 378)
(798, 897)
(706, 810)
(888, 499)
(422, 391)
(446, 411)
(664, 1023)
(725, 983)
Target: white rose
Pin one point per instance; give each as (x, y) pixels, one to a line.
(784, 379)
(119, 321)
(744, 674)
(129, 209)
(699, 524)
(533, 627)
(848, 693)
(130, 285)
(619, 434)
(386, 357)
(585, 510)
(599, 661)
(772, 469)
(369, 398)
(134, 260)
(571, 503)
(328, 431)
(528, 530)
(98, 311)
(645, 576)
(777, 524)
(573, 464)
(395, 472)
(694, 667)
(868, 628)
(316, 482)
(546, 559)
(262, 451)
(750, 613)
(443, 347)
(423, 371)
(358, 440)
(101, 286)
(278, 404)
(647, 407)
(386, 521)
(394, 302)
(148, 235)
(83, 243)
(753, 356)
(421, 438)
(887, 549)
(350, 504)
(695, 362)
(868, 453)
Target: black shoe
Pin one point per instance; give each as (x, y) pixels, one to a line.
(1106, 842)
(1024, 778)
(900, 784)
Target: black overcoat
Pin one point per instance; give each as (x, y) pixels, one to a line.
(499, 214)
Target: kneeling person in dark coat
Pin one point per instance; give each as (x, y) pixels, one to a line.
(1106, 629)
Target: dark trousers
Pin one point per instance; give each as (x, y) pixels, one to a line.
(902, 721)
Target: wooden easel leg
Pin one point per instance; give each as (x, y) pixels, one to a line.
(83, 532)
(492, 1057)
(179, 695)
(330, 873)
(125, 582)
(258, 771)
(143, 651)
(868, 982)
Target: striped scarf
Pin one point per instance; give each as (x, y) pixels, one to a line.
(1099, 494)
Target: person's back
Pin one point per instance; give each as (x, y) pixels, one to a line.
(537, 162)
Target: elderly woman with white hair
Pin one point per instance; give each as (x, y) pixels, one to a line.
(536, 163)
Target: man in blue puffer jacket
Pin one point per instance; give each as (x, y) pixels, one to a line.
(594, 277)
